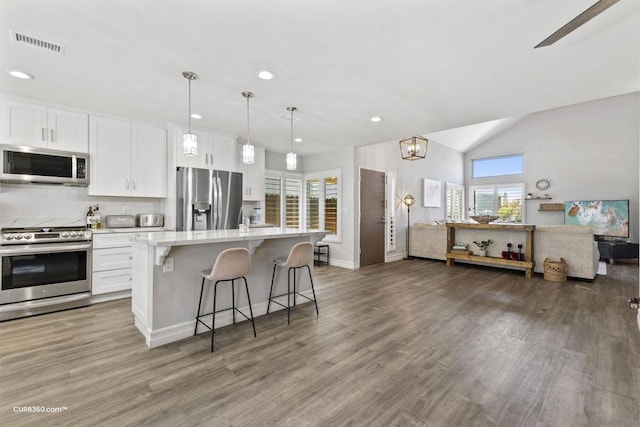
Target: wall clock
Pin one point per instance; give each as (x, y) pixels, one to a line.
(542, 184)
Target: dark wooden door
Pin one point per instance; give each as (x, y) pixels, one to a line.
(372, 219)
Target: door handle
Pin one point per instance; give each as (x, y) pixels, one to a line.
(52, 135)
(127, 184)
(44, 134)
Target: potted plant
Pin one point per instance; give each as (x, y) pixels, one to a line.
(483, 245)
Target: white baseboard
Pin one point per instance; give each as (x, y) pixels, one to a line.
(158, 337)
(394, 257)
(95, 299)
(343, 264)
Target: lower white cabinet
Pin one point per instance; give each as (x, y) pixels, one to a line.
(112, 263)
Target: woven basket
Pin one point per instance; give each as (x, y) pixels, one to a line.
(555, 271)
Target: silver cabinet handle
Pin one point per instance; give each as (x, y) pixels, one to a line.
(133, 183)
(127, 184)
(44, 134)
(52, 135)
(206, 159)
(211, 159)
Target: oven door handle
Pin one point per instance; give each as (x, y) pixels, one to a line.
(43, 248)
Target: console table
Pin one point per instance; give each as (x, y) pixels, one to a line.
(527, 263)
(614, 250)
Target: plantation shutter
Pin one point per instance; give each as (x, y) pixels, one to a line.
(313, 204)
(509, 203)
(455, 203)
(272, 201)
(292, 202)
(331, 204)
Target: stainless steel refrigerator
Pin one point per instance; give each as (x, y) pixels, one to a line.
(208, 199)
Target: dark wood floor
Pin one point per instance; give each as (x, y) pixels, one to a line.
(406, 343)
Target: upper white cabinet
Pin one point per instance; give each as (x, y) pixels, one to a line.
(127, 159)
(252, 175)
(214, 152)
(35, 125)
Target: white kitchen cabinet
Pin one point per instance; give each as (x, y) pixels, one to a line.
(126, 159)
(214, 152)
(112, 263)
(252, 175)
(38, 126)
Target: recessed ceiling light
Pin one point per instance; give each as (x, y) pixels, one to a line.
(376, 119)
(21, 75)
(298, 140)
(266, 75)
(196, 116)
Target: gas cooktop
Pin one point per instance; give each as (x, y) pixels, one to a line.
(12, 236)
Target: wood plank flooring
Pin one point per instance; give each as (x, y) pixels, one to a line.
(405, 343)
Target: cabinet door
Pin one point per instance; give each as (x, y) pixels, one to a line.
(254, 177)
(201, 160)
(149, 156)
(24, 124)
(223, 149)
(111, 281)
(110, 157)
(112, 258)
(68, 130)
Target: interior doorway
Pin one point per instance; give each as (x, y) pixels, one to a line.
(372, 217)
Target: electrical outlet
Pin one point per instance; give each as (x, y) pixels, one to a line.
(167, 267)
(125, 209)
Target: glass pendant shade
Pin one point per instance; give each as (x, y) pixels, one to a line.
(291, 161)
(189, 144)
(414, 148)
(248, 154)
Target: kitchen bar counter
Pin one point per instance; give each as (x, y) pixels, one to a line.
(166, 277)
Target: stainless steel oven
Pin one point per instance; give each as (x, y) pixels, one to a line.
(44, 270)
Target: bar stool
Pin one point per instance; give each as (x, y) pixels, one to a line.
(231, 265)
(300, 256)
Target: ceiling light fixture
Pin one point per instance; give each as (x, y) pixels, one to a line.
(376, 119)
(20, 75)
(298, 140)
(189, 140)
(248, 152)
(414, 148)
(291, 156)
(196, 116)
(266, 75)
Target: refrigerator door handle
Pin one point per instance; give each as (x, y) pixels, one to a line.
(219, 204)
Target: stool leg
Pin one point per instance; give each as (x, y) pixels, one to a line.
(294, 286)
(195, 331)
(233, 300)
(213, 316)
(273, 276)
(314, 292)
(246, 286)
(289, 296)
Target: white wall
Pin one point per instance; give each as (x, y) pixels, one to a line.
(586, 151)
(34, 204)
(278, 161)
(342, 254)
(441, 164)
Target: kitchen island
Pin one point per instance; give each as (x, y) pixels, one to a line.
(166, 276)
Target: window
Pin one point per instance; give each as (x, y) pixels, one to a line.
(455, 202)
(272, 201)
(497, 166)
(322, 202)
(503, 200)
(292, 202)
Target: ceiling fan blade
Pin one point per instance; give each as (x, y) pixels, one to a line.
(576, 22)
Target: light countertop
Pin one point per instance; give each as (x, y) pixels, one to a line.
(128, 230)
(181, 238)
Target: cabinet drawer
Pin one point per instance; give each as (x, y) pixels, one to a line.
(111, 281)
(113, 240)
(112, 258)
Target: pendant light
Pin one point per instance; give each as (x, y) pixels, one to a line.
(189, 140)
(291, 156)
(248, 152)
(414, 148)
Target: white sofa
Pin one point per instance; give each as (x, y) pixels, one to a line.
(428, 241)
(574, 243)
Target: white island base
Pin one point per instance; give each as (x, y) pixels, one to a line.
(166, 277)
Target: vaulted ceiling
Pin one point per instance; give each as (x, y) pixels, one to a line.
(425, 66)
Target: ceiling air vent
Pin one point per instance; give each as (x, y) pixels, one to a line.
(33, 41)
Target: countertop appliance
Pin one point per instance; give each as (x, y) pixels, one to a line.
(120, 221)
(44, 270)
(208, 199)
(150, 220)
(25, 165)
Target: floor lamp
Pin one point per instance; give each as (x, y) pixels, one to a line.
(408, 201)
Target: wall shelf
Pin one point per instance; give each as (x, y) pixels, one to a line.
(537, 198)
(551, 207)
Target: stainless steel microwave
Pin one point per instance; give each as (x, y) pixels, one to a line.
(38, 165)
